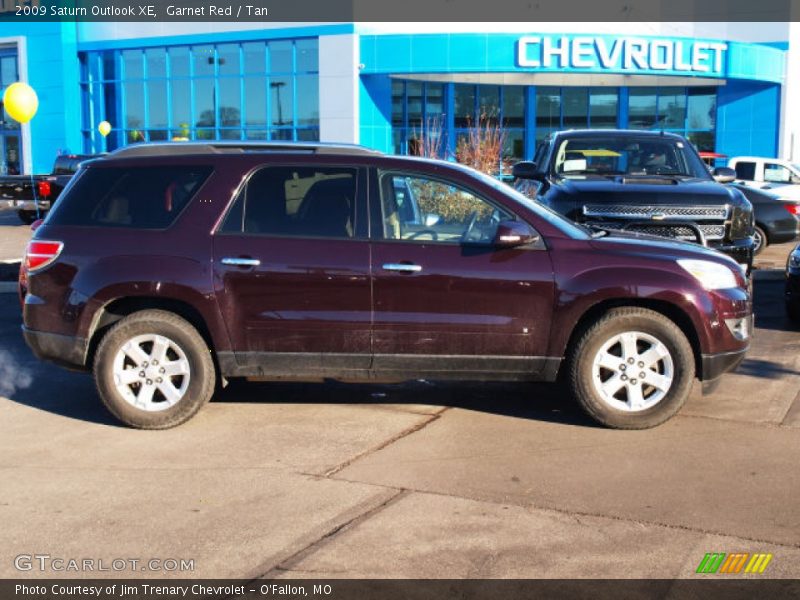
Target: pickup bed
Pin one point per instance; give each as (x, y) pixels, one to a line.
(33, 195)
(645, 182)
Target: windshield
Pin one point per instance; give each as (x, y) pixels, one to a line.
(557, 220)
(624, 155)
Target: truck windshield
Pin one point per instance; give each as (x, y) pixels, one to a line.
(616, 155)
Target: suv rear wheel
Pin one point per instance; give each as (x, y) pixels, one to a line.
(153, 370)
(632, 369)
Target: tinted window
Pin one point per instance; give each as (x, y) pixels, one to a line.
(416, 208)
(137, 197)
(296, 201)
(746, 170)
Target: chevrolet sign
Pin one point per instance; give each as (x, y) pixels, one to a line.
(626, 54)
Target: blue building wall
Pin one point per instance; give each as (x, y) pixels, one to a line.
(375, 112)
(52, 70)
(748, 118)
(498, 53)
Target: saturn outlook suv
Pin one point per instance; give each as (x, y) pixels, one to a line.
(168, 269)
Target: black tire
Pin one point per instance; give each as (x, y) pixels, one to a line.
(761, 239)
(590, 342)
(202, 375)
(27, 216)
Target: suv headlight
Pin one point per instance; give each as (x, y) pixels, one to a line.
(711, 275)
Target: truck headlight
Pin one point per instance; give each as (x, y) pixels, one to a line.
(711, 275)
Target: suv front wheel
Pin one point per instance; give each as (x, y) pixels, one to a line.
(632, 368)
(153, 370)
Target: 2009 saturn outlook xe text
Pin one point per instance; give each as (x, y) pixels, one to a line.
(166, 269)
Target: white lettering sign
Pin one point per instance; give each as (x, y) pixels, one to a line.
(620, 54)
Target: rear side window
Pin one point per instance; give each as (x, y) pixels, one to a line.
(746, 170)
(134, 198)
(296, 202)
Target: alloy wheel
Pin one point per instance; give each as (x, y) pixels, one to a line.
(151, 372)
(633, 371)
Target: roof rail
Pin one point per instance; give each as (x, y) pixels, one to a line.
(192, 148)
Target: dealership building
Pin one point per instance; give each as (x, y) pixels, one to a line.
(731, 88)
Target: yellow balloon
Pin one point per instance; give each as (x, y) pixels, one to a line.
(104, 128)
(21, 102)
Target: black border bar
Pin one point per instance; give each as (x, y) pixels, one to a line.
(364, 11)
(708, 588)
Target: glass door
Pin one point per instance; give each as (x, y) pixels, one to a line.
(10, 138)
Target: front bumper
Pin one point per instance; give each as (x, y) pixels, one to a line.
(64, 350)
(716, 365)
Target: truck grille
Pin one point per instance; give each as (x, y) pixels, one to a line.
(622, 211)
(710, 232)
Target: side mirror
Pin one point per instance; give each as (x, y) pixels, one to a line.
(724, 175)
(794, 179)
(527, 170)
(432, 219)
(514, 233)
(36, 224)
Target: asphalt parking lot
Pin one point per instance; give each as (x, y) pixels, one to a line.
(414, 480)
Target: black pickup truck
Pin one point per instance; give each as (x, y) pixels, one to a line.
(647, 182)
(24, 192)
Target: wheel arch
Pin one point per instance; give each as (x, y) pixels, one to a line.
(119, 308)
(671, 311)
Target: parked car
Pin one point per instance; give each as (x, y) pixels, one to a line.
(793, 285)
(775, 174)
(166, 268)
(640, 181)
(32, 195)
(777, 219)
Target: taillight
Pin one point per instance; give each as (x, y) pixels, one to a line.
(40, 254)
(43, 187)
(793, 208)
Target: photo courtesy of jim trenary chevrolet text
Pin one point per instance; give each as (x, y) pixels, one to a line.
(349, 299)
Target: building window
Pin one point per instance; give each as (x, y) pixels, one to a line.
(10, 136)
(691, 112)
(418, 118)
(264, 90)
(575, 108)
(490, 106)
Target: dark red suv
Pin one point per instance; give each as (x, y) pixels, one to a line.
(168, 268)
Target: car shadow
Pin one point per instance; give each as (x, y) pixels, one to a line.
(549, 402)
(764, 369)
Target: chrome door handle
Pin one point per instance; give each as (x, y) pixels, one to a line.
(241, 262)
(403, 268)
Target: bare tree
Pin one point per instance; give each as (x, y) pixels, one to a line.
(429, 142)
(484, 146)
